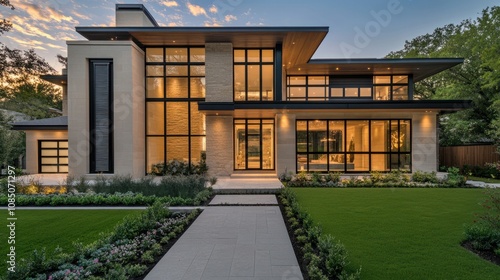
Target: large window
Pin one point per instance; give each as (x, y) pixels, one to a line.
(175, 83)
(353, 145)
(390, 87)
(53, 156)
(253, 74)
(313, 88)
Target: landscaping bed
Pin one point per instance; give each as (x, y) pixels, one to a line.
(128, 252)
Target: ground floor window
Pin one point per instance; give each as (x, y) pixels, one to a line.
(254, 144)
(353, 145)
(53, 156)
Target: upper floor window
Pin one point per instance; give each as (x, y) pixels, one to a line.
(393, 87)
(253, 74)
(313, 88)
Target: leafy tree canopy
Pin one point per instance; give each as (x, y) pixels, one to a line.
(5, 25)
(477, 79)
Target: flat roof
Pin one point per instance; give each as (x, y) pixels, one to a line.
(299, 42)
(57, 123)
(421, 68)
(60, 80)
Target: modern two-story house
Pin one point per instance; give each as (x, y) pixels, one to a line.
(250, 98)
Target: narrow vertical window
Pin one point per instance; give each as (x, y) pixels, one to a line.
(101, 116)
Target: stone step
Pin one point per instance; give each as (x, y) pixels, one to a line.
(253, 175)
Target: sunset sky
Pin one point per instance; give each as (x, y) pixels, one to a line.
(358, 28)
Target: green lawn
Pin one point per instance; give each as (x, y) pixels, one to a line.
(36, 229)
(401, 233)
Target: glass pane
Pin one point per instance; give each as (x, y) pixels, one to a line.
(239, 82)
(394, 161)
(63, 144)
(253, 82)
(358, 162)
(197, 120)
(197, 148)
(336, 92)
(267, 56)
(267, 146)
(197, 54)
(177, 70)
(177, 118)
(316, 92)
(198, 70)
(177, 148)
(155, 148)
(317, 140)
(254, 149)
(405, 135)
(336, 136)
(357, 136)
(395, 138)
(380, 162)
(156, 118)
(401, 79)
(154, 55)
(253, 55)
(63, 160)
(239, 148)
(197, 87)
(297, 80)
(154, 70)
(176, 54)
(405, 162)
(336, 162)
(177, 87)
(49, 169)
(297, 92)
(267, 82)
(301, 162)
(63, 153)
(365, 92)
(400, 93)
(382, 92)
(318, 162)
(316, 80)
(154, 87)
(49, 153)
(49, 144)
(301, 136)
(49, 160)
(63, 169)
(380, 136)
(382, 79)
(239, 55)
(351, 92)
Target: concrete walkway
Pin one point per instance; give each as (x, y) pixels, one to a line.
(232, 242)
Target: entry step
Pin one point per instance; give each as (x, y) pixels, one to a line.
(253, 175)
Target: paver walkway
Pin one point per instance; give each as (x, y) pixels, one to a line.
(232, 242)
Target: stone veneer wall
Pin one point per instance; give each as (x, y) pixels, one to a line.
(220, 145)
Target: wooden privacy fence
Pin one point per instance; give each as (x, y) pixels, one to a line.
(459, 156)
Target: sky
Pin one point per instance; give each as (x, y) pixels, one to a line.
(358, 28)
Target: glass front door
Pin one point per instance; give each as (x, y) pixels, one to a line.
(254, 144)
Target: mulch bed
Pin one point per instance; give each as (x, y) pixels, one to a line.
(487, 255)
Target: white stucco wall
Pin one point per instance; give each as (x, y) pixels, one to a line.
(32, 137)
(128, 105)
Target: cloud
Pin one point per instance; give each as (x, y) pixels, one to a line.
(78, 15)
(213, 9)
(170, 3)
(27, 28)
(196, 10)
(229, 18)
(56, 47)
(43, 13)
(211, 23)
(28, 43)
(172, 24)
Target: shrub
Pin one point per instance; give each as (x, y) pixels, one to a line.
(454, 178)
(425, 177)
(176, 167)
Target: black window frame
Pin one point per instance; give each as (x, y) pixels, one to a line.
(391, 86)
(260, 64)
(345, 151)
(246, 143)
(58, 156)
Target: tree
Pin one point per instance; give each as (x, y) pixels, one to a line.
(477, 79)
(12, 143)
(63, 60)
(21, 88)
(5, 25)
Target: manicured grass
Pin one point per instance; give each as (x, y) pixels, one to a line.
(401, 233)
(486, 180)
(36, 229)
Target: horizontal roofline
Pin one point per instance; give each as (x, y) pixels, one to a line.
(385, 60)
(57, 123)
(203, 28)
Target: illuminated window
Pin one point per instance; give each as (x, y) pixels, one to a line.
(253, 75)
(175, 83)
(53, 156)
(393, 87)
(312, 88)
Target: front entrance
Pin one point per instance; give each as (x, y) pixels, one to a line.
(254, 144)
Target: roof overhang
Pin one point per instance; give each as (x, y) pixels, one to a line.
(299, 43)
(420, 68)
(60, 80)
(263, 108)
(57, 123)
